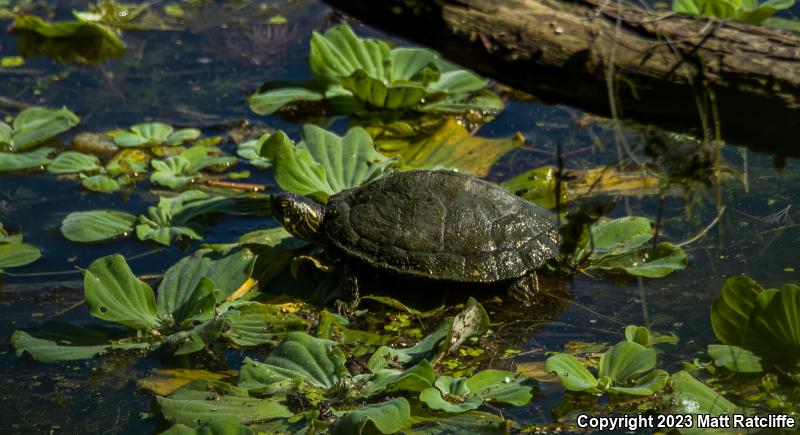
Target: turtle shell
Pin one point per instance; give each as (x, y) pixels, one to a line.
(441, 225)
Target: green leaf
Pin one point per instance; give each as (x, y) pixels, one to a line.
(269, 102)
(689, 7)
(571, 373)
(35, 125)
(18, 254)
(183, 135)
(414, 379)
(251, 151)
(339, 53)
(97, 225)
(213, 427)
(299, 356)
(425, 349)
(638, 334)
(735, 359)
(6, 133)
(72, 162)
(452, 146)
(387, 417)
(619, 236)
(202, 401)
(625, 360)
(502, 387)
(173, 172)
(472, 321)
(58, 342)
(651, 263)
(195, 339)
(426, 422)
(645, 386)
(253, 324)
(31, 159)
(458, 82)
(731, 312)
(690, 396)
(775, 326)
(323, 163)
(433, 397)
(147, 134)
(228, 273)
(100, 183)
(538, 186)
(80, 42)
(113, 293)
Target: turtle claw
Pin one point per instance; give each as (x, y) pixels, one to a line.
(525, 289)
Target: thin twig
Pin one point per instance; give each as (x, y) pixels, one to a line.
(701, 234)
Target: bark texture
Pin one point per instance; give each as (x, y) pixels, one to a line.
(676, 71)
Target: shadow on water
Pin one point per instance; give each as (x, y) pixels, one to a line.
(200, 73)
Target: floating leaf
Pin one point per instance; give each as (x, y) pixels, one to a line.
(435, 397)
(644, 386)
(18, 254)
(165, 381)
(735, 359)
(625, 360)
(426, 422)
(425, 349)
(178, 289)
(387, 417)
(213, 427)
(152, 134)
(451, 146)
(31, 159)
(253, 324)
(97, 225)
(731, 312)
(190, 405)
(664, 259)
(538, 186)
(267, 103)
(195, 339)
(323, 163)
(415, 379)
(72, 162)
(251, 151)
(571, 373)
(113, 293)
(100, 183)
(690, 396)
(501, 387)
(298, 357)
(58, 342)
(81, 41)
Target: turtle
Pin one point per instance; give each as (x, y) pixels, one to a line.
(432, 225)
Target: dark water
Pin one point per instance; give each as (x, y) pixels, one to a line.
(199, 75)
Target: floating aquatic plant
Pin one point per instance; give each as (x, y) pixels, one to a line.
(82, 41)
(748, 11)
(355, 75)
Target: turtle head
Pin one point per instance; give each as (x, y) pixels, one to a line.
(302, 217)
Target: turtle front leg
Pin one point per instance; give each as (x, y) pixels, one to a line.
(525, 288)
(352, 294)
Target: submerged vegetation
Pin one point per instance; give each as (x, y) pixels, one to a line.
(244, 330)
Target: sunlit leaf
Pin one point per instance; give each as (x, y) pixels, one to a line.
(735, 358)
(59, 342)
(387, 417)
(253, 324)
(731, 312)
(658, 262)
(451, 146)
(97, 225)
(298, 357)
(573, 375)
(638, 334)
(165, 381)
(538, 186)
(251, 151)
(427, 348)
(690, 396)
(113, 293)
(644, 386)
(626, 359)
(35, 125)
(72, 162)
(501, 387)
(268, 102)
(194, 339)
(100, 183)
(414, 379)
(81, 41)
(190, 405)
(435, 397)
(472, 321)
(18, 254)
(28, 160)
(323, 163)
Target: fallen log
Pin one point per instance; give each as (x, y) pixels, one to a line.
(734, 80)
